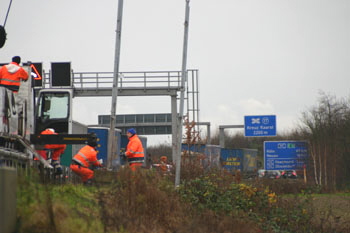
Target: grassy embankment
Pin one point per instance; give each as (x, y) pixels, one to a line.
(147, 202)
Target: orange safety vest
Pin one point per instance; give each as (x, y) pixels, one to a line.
(86, 157)
(11, 76)
(163, 163)
(134, 150)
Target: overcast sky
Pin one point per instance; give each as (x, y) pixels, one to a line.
(255, 57)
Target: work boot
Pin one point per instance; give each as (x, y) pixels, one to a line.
(58, 170)
(57, 167)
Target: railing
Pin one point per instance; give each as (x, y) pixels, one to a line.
(18, 149)
(127, 80)
(18, 154)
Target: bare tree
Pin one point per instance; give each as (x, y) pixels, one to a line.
(326, 126)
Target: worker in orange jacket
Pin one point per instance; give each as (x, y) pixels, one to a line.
(164, 164)
(84, 162)
(58, 149)
(134, 150)
(12, 74)
(53, 151)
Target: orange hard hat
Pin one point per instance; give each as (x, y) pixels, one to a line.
(163, 158)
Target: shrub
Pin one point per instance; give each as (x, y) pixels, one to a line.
(259, 204)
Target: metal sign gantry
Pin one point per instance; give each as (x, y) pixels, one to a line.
(141, 83)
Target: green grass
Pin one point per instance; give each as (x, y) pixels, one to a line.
(147, 202)
(52, 208)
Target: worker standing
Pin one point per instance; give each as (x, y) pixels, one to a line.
(85, 160)
(12, 74)
(134, 150)
(53, 152)
(164, 164)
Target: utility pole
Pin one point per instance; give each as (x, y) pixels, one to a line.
(182, 96)
(112, 141)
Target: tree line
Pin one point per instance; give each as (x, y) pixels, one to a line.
(326, 128)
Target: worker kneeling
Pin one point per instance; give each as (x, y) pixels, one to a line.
(85, 160)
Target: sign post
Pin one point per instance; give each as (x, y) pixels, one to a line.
(112, 147)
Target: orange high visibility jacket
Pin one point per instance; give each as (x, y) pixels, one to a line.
(11, 76)
(87, 157)
(134, 150)
(163, 163)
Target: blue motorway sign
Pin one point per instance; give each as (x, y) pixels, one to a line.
(285, 155)
(260, 126)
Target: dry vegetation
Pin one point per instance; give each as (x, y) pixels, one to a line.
(207, 200)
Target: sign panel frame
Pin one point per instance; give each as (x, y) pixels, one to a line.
(61, 74)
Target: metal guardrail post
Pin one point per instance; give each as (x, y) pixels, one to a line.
(80, 79)
(97, 81)
(168, 81)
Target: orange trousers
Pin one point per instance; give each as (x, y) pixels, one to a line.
(135, 166)
(83, 172)
(56, 154)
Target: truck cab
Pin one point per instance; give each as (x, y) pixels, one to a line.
(54, 110)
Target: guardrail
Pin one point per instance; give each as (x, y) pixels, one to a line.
(17, 153)
(127, 80)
